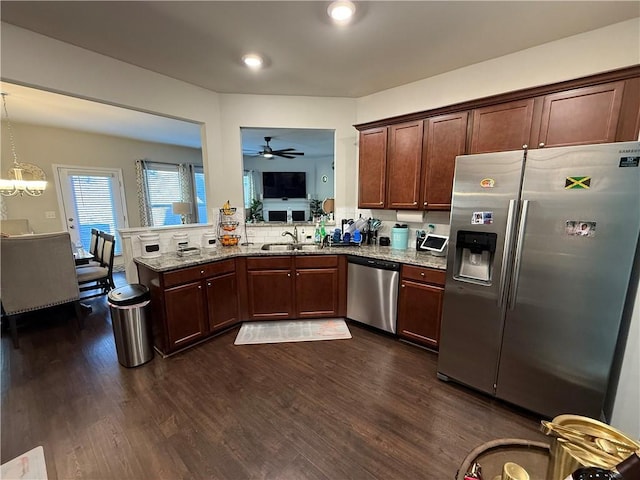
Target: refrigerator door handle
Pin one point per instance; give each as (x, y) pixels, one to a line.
(518, 255)
(505, 251)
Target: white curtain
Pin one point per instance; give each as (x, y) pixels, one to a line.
(144, 205)
(186, 189)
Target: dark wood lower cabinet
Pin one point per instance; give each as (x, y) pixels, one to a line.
(316, 292)
(189, 304)
(185, 306)
(305, 286)
(270, 294)
(222, 301)
(420, 305)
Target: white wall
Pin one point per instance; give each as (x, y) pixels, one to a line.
(626, 410)
(278, 111)
(46, 146)
(608, 48)
(41, 62)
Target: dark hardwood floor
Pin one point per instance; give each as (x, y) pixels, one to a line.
(366, 408)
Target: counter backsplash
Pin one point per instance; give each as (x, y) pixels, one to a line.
(266, 233)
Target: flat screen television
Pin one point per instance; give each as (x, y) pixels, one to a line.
(284, 184)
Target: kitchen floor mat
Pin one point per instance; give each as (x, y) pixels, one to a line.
(282, 331)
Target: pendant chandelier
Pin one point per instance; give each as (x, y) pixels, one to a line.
(21, 177)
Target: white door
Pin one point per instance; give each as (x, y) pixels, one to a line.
(91, 198)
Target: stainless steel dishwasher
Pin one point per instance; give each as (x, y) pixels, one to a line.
(372, 292)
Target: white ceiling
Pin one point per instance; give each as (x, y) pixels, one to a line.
(390, 43)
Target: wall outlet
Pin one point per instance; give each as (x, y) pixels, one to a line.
(50, 214)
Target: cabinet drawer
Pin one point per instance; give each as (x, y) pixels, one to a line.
(317, 261)
(423, 274)
(269, 263)
(184, 275)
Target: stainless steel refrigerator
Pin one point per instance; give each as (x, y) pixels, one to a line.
(541, 251)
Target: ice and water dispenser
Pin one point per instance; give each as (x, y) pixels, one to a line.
(475, 252)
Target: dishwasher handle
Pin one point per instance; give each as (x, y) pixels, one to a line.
(374, 263)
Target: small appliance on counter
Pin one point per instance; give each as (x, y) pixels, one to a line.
(400, 237)
(432, 243)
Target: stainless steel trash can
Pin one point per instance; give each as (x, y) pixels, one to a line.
(131, 327)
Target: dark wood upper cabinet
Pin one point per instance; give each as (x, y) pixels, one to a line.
(444, 139)
(581, 116)
(403, 165)
(597, 109)
(502, 127)
(372, 168)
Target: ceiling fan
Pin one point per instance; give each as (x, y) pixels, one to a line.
(269, 152)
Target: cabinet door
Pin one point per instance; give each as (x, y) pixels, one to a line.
(317, 292)
(270, 294)
(404, 164)
(444, 139)
(222, 301)
(581, 116)
(502, 127)
(372, 168)
(186, 315)
(419, 313)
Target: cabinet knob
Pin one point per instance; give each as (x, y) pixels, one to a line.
(422, 274)
(415, 203)
(288, 274)
(208, 284)
(425, 204)
(525, 146)
(379, 203)
(402, 285)
(201, 272)
(199, 287)
(297, 274)
(541, 144)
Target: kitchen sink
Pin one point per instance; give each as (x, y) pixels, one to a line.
(284, 247)
(277, 247)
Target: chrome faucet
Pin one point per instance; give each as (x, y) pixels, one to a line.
(293, 235)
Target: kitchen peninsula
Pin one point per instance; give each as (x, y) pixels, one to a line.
(196, 297)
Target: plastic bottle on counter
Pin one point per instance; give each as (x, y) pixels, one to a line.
(628, 469)
(323, 232)
(316, 234)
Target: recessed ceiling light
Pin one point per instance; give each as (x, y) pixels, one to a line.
(341, 11)
(252, 60)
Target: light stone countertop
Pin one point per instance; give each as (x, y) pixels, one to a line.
(171, 261)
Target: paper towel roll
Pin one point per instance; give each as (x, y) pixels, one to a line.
(409, 216)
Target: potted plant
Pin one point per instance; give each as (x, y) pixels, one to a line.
(254, 213)
(315, 207)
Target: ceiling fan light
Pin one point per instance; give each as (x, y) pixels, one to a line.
(341, 11)
(252, 61)
(267, 155)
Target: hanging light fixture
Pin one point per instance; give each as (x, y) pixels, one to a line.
(22, 177)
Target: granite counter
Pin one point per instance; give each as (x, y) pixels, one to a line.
(171, 261)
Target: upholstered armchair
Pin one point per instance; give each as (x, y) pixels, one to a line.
(38, 271)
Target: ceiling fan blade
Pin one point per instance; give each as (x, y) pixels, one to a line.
(283, 155)
(284, 150)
